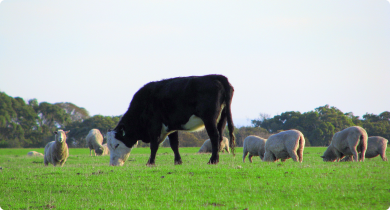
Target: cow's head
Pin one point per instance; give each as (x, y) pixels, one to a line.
(60, 136)
(119, 152)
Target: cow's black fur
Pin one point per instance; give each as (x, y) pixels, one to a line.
(172, 102)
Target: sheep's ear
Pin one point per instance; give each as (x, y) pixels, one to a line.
(55, 132)
(109, 130)
(66, 132)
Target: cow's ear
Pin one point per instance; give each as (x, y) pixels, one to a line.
(55, 132)
(109, 130)
(66, 132)
(322, 156)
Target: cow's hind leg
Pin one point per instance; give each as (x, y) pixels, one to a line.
(215, 139)
(174, 142)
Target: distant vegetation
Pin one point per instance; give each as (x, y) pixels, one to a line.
(31, 124)
(320, 125)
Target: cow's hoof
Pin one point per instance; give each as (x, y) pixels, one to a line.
(151, 164)
(178, 162)
(213, 162)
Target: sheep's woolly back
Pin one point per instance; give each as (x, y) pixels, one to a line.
(255, 146)
(34, 154)
(94, 141)
(376, 145)
(56, 152)
(207, 148)
(349, 141)
(285, 145)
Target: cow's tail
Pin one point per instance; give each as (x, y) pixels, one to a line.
(363, 143)
(229, 90)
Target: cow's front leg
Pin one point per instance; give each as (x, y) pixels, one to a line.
(153, 152)
(174, 142)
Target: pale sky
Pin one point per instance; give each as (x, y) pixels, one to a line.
(279, 55)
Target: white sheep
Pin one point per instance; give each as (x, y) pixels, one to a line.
(106, 151)
(255, 146)
(349, 141)
(94, 141)
(285, 145)
(34, 154)
(206, 147)
(376, 145)
(56, 152)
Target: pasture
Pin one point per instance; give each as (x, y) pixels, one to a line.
(90, 183)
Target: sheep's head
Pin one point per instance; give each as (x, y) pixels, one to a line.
(60, 136)
(119, 152)
(329, 154)
(99, 150)
(328, 159)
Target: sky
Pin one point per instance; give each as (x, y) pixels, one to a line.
(278, 55)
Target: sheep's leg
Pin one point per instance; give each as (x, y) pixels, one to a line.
(300, 154)
(245, 153)
(360, 156)
(353, 147)
(383, 156)
(250, 157)
(294, 156)
(174, 142)
(355, 155)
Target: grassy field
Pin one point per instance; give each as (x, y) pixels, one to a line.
(89, 183)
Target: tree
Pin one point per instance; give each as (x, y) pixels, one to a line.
(76, 113)
(80, 129)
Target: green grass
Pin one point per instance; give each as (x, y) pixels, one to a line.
(89, 183)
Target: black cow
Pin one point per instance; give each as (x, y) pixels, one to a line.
(159, 109)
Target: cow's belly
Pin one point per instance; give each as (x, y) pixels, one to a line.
(193, 124)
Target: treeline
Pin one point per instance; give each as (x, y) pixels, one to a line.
(320, 125)
(31, 124)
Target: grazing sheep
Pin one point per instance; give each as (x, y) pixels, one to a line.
(34, 154)
(285, 145)
(376, 145)
(106, 151)
(347, 142)
(56, 152)
(94, 142)
(206, 147)
(255, 146)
